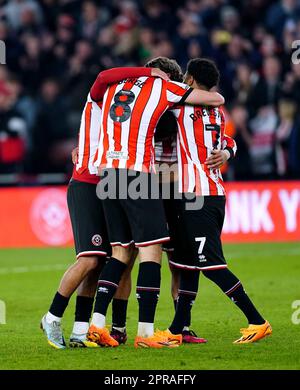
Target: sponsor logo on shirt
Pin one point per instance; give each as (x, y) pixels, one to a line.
(113, 154)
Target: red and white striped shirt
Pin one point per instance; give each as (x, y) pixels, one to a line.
(131, 111)
(90, 124)
(88, 142)
(166, 150)
(201, 129)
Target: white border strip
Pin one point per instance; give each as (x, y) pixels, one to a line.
(91, 253)
(194, 267)
(125, 245)
(157, 241)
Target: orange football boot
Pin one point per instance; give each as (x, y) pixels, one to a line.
(175, 339)
(254, 333)
(158, 340)
(101, 337)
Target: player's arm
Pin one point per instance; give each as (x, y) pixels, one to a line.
(115, 75)
(220, 157)
(75, 153)
(200, 97)
(179, 93)
(228, 149)
(229, 144)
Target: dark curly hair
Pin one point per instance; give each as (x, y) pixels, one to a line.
(204, 71)
(167, 65)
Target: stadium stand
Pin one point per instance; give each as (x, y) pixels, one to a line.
(56, 48)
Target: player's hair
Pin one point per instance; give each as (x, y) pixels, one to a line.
(204, 71)
(168, 66)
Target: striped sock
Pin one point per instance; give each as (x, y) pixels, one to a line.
(147, 291)
(187, 293)
(234, 289)
(238, 295)
(184, 305)
(108, 284)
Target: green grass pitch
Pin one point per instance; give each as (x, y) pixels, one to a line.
(270, 273)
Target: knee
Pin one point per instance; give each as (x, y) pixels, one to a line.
(88, 263)
(150, 253)
(122, 254)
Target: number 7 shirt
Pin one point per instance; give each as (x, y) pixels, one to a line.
(131, 111)
(201, 129)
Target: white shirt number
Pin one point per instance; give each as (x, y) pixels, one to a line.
(202, 242)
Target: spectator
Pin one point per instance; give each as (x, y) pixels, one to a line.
(92, 19)
(31, 63)
(13, 133)
(23, 104)
(241, 163)
(243, 84)
(19, 12)
(291, 86)
(146, 44)
(286, 125)
(267, 90)
(105, 48)
(189, 32)
(269, 46)
(230, 19)
(294, 150)
(52, 146)
(156, 16)
(280, 13)
(263, 144)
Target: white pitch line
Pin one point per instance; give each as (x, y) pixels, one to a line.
(37, 268)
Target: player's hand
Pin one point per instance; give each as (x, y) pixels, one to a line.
(75, 156)
(217, 159)
(155, 72)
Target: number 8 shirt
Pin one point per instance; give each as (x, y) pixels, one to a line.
(131, 111)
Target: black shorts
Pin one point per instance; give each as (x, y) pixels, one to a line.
(171, 207)
(139, 219)
(88, 221)
(200, 239)
(171, 222)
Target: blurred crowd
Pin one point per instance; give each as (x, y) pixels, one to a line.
(55, 49)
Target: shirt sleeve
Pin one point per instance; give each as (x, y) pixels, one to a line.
(229, 144)
(115, 75)
(177, 92)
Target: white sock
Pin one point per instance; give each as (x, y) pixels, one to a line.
(51, 318)
(186, 328)
(98, 320)
(80, 327)
(145, 329)
(120, 329)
